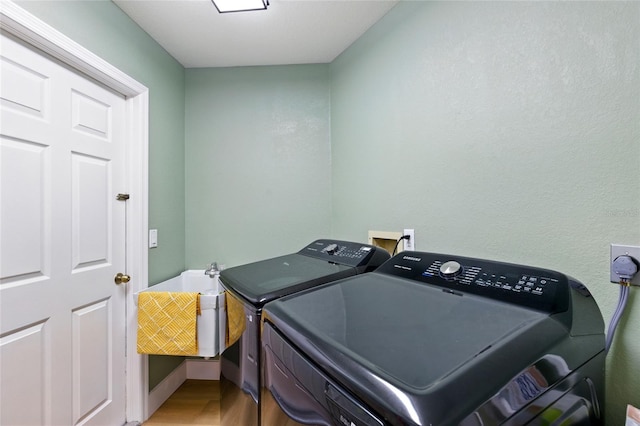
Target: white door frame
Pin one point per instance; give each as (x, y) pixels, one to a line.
(26, 27)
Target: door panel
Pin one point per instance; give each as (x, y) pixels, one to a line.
(62, 318)
(90, 115)
(92, 352)
(90, 211)
(23, 88)
(25, 354)
(22, 255)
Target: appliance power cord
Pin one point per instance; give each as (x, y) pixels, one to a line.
(626, 268)
(404, 237)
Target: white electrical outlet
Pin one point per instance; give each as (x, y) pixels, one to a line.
(410, 244)
(622, 250)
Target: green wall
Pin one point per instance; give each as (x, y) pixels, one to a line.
(258, 155)
(104, 29)
(505, 130)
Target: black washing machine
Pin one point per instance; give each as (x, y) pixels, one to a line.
(432, 339)
(257, 283)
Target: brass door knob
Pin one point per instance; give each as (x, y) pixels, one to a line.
(121, 278)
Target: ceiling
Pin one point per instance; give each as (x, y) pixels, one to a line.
(288, 32)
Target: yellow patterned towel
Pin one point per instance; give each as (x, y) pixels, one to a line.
(235, 319)
(167, 323)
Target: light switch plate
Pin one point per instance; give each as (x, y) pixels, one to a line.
(153, 238)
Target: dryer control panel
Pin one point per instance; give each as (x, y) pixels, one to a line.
(528, 286)
(346, 253)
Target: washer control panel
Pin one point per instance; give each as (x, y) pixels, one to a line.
(536, 288)
(346, 252)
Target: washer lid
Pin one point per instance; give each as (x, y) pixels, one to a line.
(408, 334)
(266, 280)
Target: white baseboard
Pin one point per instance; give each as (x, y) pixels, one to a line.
(203, 369)
(166, 388)
(198, 369)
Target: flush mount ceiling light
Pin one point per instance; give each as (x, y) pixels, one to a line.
(225, 6)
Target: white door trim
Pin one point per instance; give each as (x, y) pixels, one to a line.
(26, 27)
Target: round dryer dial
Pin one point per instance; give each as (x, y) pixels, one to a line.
(450, 269)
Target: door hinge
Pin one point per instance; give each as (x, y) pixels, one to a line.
(122, 197)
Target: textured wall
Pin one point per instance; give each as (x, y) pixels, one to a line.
(258, 161)
(505, 130)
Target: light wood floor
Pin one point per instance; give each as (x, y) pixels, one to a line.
(196, 402)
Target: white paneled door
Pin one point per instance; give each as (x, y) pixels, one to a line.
(62, 317)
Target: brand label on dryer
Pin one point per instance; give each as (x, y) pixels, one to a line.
(415, 259)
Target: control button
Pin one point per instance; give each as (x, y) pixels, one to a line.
(450, 269)
(331, 249)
